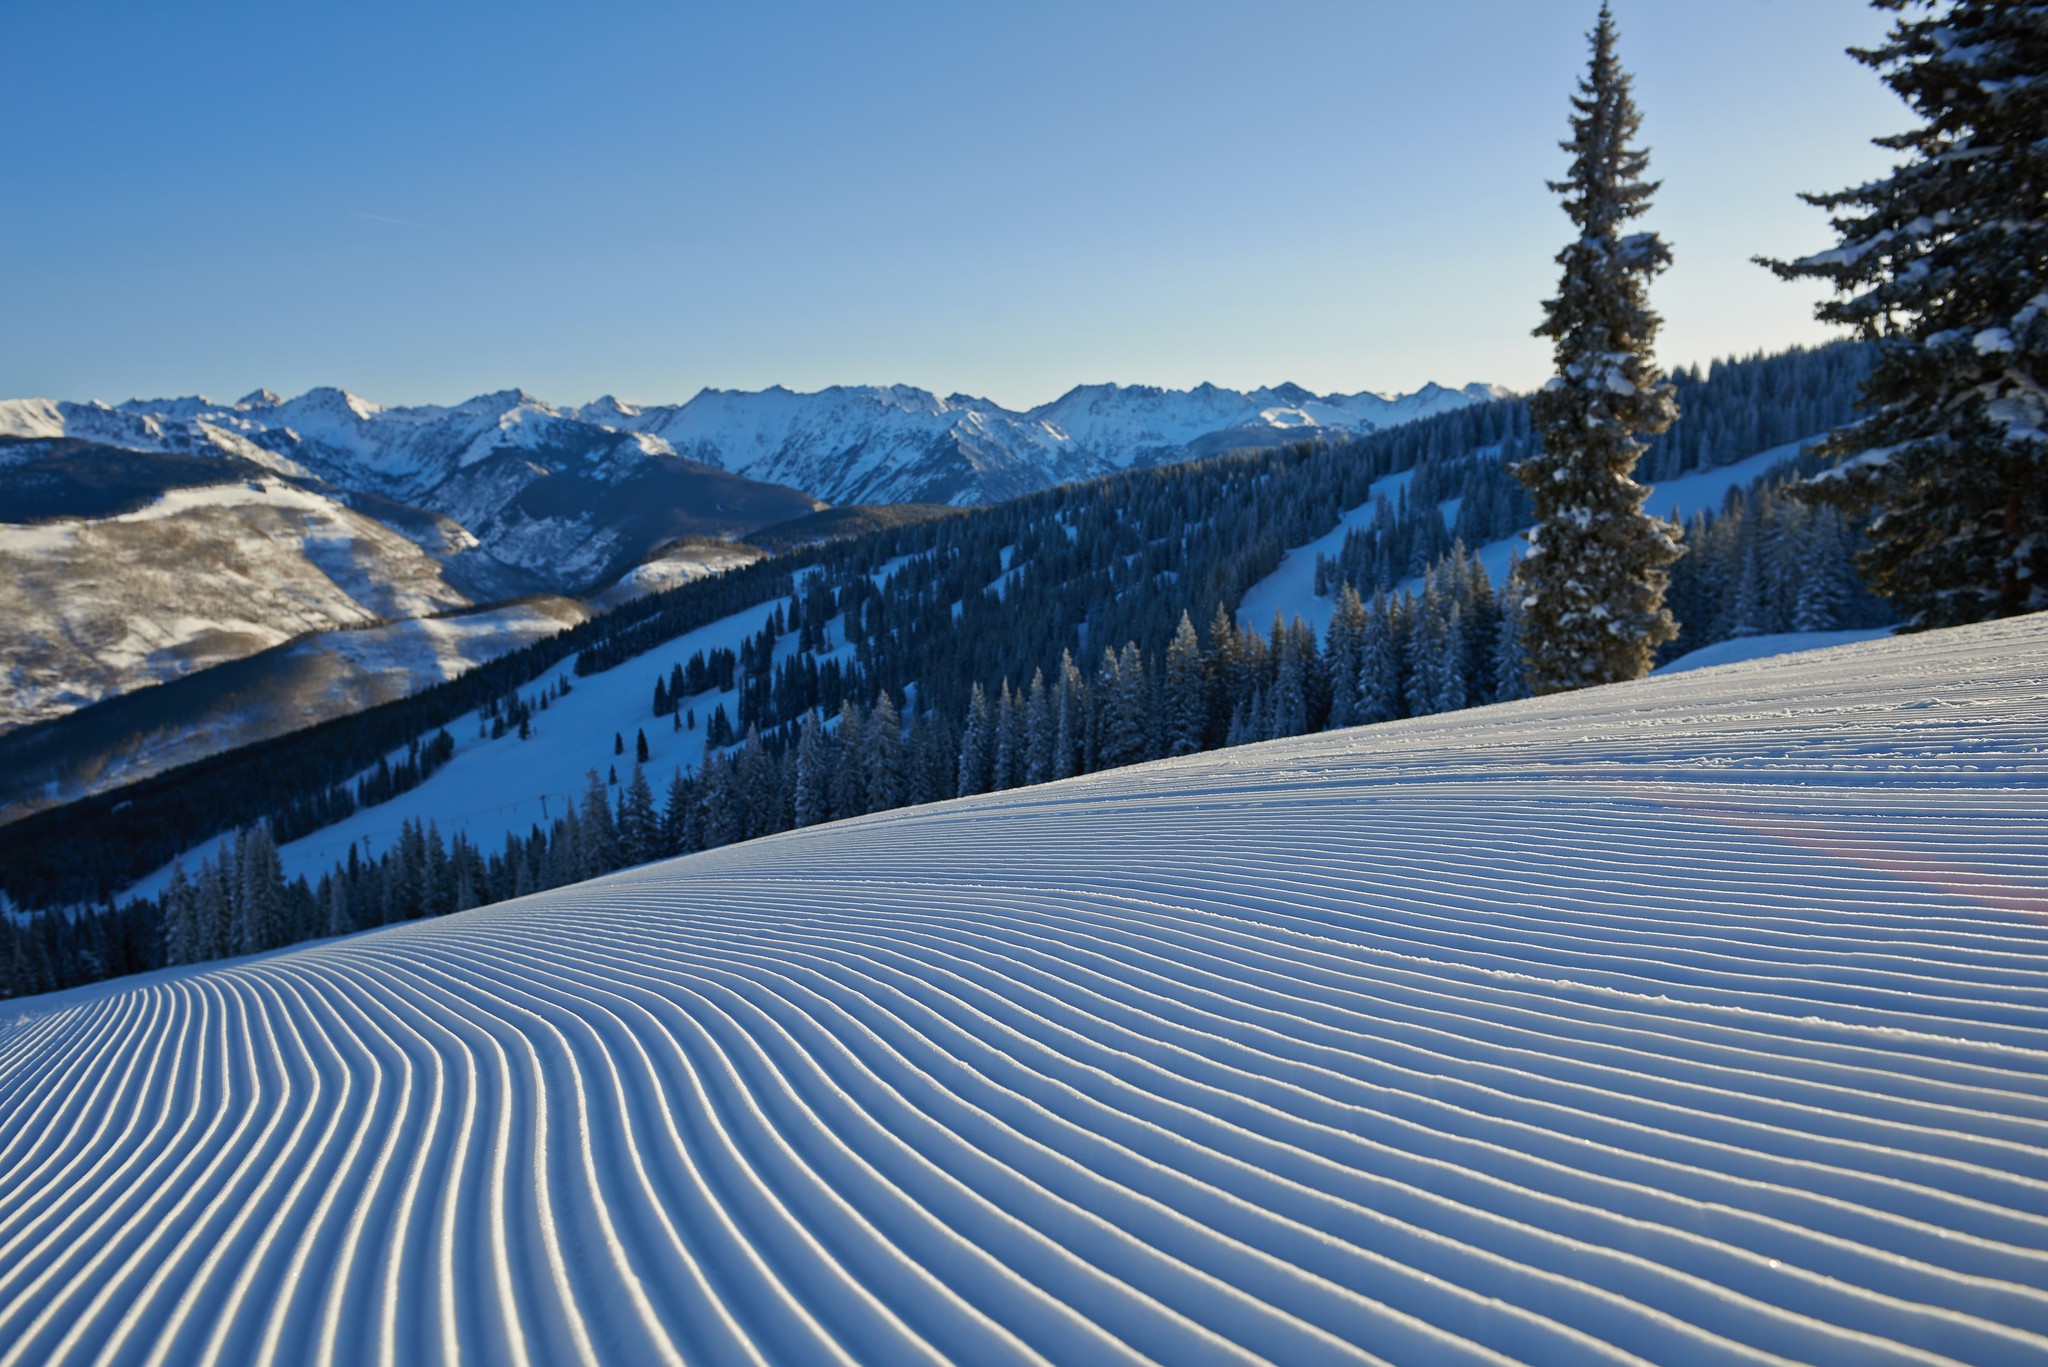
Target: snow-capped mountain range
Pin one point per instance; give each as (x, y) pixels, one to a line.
(900, 444)
(519, 496)
(330, 511)
(845, 444)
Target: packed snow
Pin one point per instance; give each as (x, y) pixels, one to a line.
(1698, 1019)
(1740, 649)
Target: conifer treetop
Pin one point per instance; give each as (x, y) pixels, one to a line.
(1605, 187)
(1593, 580)
(1600, 322)
(1944, 263)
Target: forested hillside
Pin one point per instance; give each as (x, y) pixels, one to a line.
(1082, 628)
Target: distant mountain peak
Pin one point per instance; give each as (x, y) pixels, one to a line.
(606, 408)
(889, 443)
(1290, 393)
(154, 407)
(326, 398)
(501, 401)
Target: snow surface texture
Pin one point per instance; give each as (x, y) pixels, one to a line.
(1738, 649)
(1699, 1019)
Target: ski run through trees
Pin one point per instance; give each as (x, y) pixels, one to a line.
(1082, 588)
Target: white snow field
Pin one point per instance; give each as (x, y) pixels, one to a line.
(1697, 1020)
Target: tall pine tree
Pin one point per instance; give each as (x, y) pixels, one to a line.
(1944, 263)
(1592, 582)
(639, 829)
(260, 922)
(888, 770)
(977, 744)
(813, 776)
(1187, 694)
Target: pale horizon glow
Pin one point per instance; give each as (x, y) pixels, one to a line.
(1002, 202)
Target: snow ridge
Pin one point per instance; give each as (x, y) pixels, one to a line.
(1702, 1019)
(845, 444)
(900, 444)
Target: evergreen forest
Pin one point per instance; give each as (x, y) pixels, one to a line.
(1083, 628)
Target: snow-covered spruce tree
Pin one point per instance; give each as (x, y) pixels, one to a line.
(1592, 581)
(338, 918)
(977, 745)
(182, 942)
(639, 830)
(1379, 672)
(1822, 590)
(676, 820)
(934, 760)
(1289, 699)
(1003, 764)
(1038, 731)
(1436, 682)
(849, 784)
(1123, 695)
(1070, 706)
(1945, 264)
(600, 844)
(1510, 681)
(887, 764)
(1344, 655)
(1187, 694)
(812, 775)
(261, 922)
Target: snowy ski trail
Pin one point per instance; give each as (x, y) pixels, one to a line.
(1697, 1020)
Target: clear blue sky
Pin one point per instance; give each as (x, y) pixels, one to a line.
(424, 201)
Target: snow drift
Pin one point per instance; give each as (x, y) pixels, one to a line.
(1694, 1020)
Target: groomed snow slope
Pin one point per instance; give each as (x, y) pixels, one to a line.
(1696, 1020)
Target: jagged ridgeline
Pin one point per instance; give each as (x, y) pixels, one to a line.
(978, 602)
